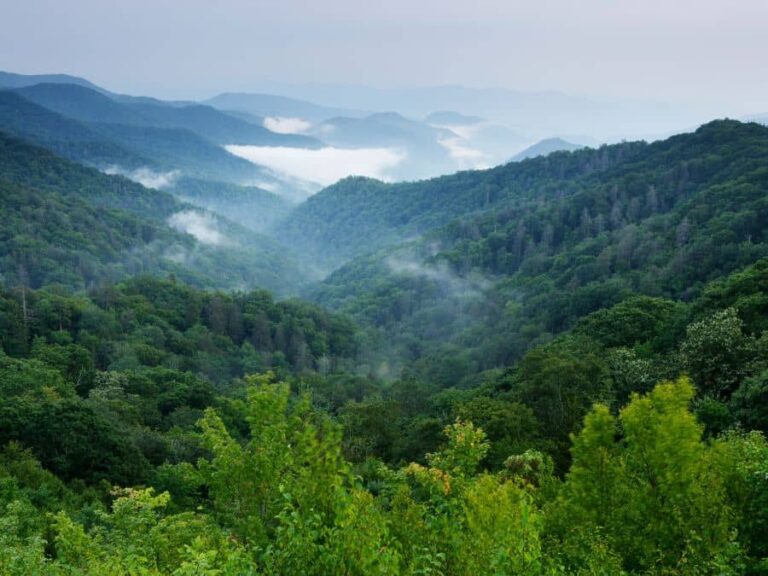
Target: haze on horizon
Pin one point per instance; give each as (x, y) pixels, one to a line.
(706, 54)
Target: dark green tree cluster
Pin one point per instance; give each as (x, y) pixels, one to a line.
(720, 340)
(108, 386)
(646, 494)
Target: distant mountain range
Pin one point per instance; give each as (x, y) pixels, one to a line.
(534, 114)
(278, 106)
(219, 139)
(89, 105)
(435, 131)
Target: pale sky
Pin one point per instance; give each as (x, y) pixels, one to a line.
(698, 52)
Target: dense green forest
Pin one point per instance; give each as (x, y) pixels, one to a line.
(576, 460)
(556, 366)
(357, 215)
(479, 291)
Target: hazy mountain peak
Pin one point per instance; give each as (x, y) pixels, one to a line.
(13, 80)
(546, 146)
(260, 104)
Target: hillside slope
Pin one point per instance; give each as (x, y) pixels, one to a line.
(64, 136)
(359, 215)
(69, 224)
(84, 104)
(671, 217)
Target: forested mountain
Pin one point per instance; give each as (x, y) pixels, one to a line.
(30, 166)
(49, 238)
(123, 146)
(358, 215)
(183, 150)
(479, 291)
(66, 137)
(68, 224)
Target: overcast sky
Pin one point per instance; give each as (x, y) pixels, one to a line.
(701, 52)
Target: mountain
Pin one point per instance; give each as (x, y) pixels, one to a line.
(66, 137)
(80, 103)
(65, 223)
(175, 149)
(658, 219)
(87, 105)
(360, 215)
(133, 135)
(537, 114)
(545, 147)
(125, 148)
(12, 80)
(277, 106)
(51, 238)
(33, 167)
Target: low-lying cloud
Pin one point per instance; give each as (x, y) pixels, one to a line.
(465, 131)
(146, 176)
(471, 286)
(201, 226)
(325, 165)
(463, 154)
(461, 147)
(283, 125)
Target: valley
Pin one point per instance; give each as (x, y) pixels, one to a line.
(257, 334)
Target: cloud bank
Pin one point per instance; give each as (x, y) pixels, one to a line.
(324, 166)
(201, 226)
(463, 154)
(286, 125)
